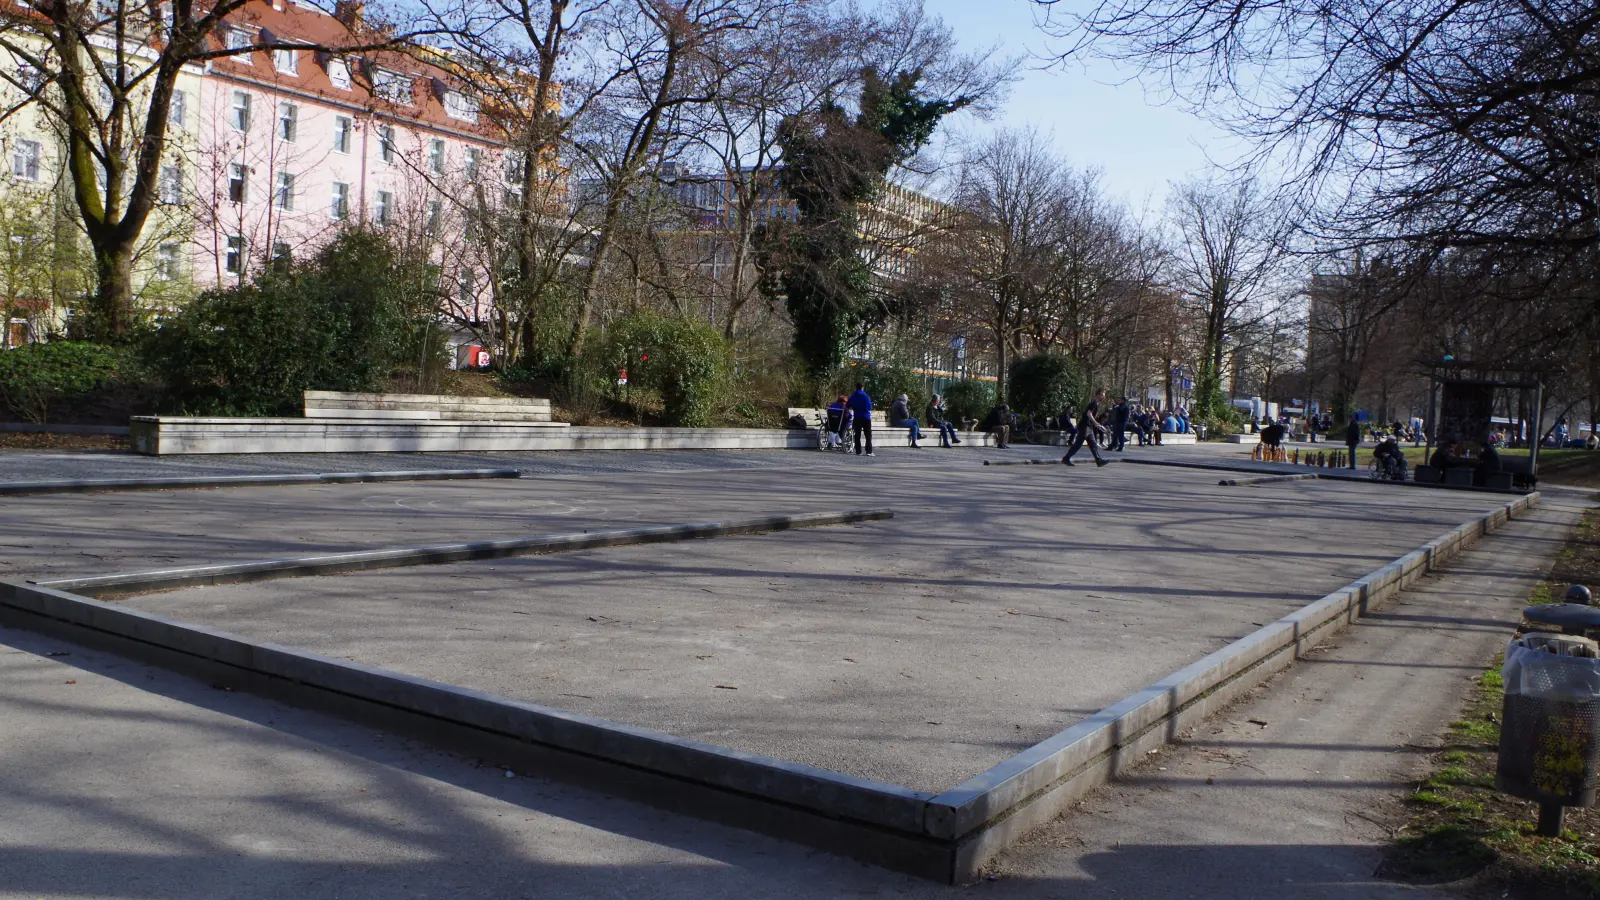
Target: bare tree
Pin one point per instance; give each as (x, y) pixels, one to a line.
(1229, 250)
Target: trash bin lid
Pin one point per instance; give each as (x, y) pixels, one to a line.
(1564, 615)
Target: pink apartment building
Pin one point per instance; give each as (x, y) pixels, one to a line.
(291, 145)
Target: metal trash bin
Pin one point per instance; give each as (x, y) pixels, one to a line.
(1550, 723)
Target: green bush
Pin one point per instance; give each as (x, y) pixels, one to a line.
(884, 384)
(36, 377)
(340, 322)
(1043, 385)
(968, 399)
(685, 361)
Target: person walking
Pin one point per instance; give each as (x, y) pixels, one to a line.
(1119, 425)
(861, 406)
(941, 421)
(1352, 439)
(1088, 427)
(900, 417)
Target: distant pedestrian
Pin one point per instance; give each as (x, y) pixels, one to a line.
(1089, 428)
(998, 423)
(1119, 424)
(861, 406)
(900, 417)
(1352, 439)
(939, 418)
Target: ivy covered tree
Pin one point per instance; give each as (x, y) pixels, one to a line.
(833, 164)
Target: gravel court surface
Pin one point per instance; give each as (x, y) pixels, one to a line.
(1000, 604)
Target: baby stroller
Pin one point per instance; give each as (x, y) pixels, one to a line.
(833, 432)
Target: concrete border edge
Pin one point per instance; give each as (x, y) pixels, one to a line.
(221, 481)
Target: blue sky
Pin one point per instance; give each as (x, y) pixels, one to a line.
(1139, 144)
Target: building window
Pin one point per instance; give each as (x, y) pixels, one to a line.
(286, 60)
(394, 87)
(288, 122)
(340, 208)
(238, 181)
(474, 162)
(513, 166)
(383, 208)
(29, 78)
(468, 288)
(178, 109)
(167, 262)
(343, 127)
(25, 160)
(239, 113)
(281, 256)
(436, 156)
(284, 196)
(233, 263)
(459, 106)
(240, 39)
(435, 213)
(386, 143)
(339, 73)
(171, 185)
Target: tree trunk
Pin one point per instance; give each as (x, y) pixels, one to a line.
(110, 317)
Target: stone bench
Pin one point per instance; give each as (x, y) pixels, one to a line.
(424, 407)
(814, 418)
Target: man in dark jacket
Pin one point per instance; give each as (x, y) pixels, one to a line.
(861, 405)
(998, 423)
(1119, 424)
(938, 417)
(900, 417)
(1352, 439)
(1088, 426)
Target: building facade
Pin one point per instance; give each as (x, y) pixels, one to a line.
(273, 151)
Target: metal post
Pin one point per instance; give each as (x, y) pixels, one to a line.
(1550, 815)
(1536, 437)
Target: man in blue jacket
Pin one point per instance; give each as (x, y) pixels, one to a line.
(861, 405)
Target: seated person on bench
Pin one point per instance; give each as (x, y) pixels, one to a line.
(1488, 464)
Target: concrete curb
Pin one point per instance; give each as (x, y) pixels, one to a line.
(949, 837)
(362, 560)
(220, 481)
(993, 810)
(1326, 475)
(1022, 462)
(1264, 479)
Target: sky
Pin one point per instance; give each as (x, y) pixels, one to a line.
(1096, 121)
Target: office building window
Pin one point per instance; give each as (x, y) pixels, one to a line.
(233, 262)
(339, 209)
(167, 262)
(436, 156)
(386, 143)
(435, 214)
(288, 122)
(286, 61)
(343, 128)
(239, 112)
(178, 109)
(383, 208)
(25, 157)
(170, 188)
(285, 192)
(238, 182)
(474, 162)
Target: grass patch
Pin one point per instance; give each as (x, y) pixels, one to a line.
(1460, 827)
